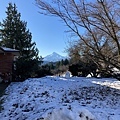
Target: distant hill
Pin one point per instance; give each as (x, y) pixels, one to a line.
(54, 57)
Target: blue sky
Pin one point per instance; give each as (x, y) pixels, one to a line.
(48, 32)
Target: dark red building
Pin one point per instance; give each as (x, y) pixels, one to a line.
(7, 56)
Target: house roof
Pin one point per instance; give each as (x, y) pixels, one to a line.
(9, 50)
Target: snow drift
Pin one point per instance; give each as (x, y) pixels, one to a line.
(68, 114)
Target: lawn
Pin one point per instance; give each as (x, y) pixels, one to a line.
(60, 98)
(3, 86)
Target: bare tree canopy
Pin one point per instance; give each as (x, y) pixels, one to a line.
(100, 20)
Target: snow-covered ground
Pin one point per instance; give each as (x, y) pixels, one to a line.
(60, 98)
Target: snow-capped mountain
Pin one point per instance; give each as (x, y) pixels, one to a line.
(54, 57)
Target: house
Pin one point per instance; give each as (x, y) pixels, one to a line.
(7, 56)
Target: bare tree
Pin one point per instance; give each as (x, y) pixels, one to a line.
(99, 19)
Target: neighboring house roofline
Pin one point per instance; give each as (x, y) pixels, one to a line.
(9, 50)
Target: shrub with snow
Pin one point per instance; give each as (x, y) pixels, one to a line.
(67, 74)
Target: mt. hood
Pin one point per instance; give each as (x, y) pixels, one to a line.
(54, 57)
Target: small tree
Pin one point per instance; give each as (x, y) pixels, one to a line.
(66, 62)
(16, 35)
